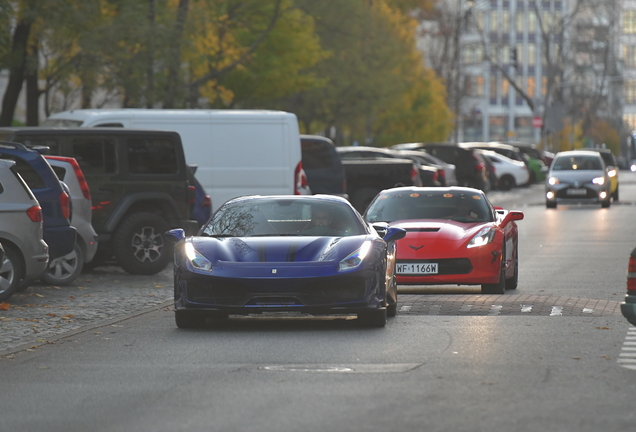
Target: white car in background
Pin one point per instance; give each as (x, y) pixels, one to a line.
(510, 173)
(65, 269)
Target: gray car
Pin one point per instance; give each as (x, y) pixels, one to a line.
(578, 176)
(26, 254)
(65, 269)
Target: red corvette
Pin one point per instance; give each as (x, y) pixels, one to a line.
(453, 236)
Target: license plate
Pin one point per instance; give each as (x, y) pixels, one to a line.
(416, 268)
(577, 192)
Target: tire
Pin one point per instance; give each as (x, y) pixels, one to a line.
(514, 280)
(373, 318)
(64, 270)
(606, 203)
(11, 272)
(506, 182)
(551, 204)
(363, 198)
(391, 309)
(498, 287)
(615, 195)
(188, 320)
(140, 246)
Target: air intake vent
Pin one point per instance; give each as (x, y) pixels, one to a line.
(422, 229)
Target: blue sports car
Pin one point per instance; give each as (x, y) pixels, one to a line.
(312, 254)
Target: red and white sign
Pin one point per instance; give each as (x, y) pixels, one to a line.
(537, 122)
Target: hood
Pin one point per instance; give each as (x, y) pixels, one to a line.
(432, 236)
(277, 249)
(577, 175)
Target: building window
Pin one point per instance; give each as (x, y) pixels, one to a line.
(532, 54)
(530, 86)
(519, 22)
(629, 56)
(630, 119)
(505, 18)
(494, 21)
(630, 91)
(629, 21)
(532, 22)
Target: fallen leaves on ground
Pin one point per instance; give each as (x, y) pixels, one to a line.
(4, 306)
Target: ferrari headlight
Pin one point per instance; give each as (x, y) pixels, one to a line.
(598, 180)
(354, 259)
(553, 181)
(197, 260)
(483, 237)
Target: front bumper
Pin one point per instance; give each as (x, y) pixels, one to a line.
(314, 295)
(478, 269)
(563, 193)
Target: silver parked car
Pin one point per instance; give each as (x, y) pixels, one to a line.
(26, 255)
(577, 176)
(65, 269)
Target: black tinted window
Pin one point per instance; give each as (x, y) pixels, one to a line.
(317, 155)
(95, 155)
(151, 156)
(26, 171)
(61, 172)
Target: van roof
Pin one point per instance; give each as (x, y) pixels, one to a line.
(83, 114)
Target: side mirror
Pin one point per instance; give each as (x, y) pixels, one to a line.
(394, 234)
(175, 235)
(381, 228)
(513, 215)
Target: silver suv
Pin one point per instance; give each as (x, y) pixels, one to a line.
(26, 254)
(65, 269)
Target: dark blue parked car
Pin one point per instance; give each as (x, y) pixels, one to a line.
(49, 191)
(202, 209)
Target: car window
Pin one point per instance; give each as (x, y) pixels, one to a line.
(151, 156)
(274, 217)
(457, 206)
(60, 172)
(30, 176)
(579, 162)
(317, 155)
(95, 155)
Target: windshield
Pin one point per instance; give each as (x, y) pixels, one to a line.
(458, 206)
(283, 217)
(62, 123)
(577, 163)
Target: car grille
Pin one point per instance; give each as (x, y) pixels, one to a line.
(447, 266)
(284, 292)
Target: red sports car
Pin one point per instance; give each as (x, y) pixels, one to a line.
(453, 236)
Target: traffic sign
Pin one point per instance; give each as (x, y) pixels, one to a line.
(537, 122)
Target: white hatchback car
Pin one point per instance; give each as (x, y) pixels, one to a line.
(510, 173)
(25, 253)
(578, 176)
(65, 269)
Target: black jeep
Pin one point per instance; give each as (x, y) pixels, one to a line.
(139, 185)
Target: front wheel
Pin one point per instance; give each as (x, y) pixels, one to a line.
(514, 280)
(139, 244)
(498, 287)
(615, 195)
(65, 269)
(506, 183)
(373, 318)
(10, 273)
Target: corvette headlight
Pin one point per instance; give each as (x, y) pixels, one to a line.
(354, 259)
(598, 180)
(197, 260)
(553, 181)
(483, 237)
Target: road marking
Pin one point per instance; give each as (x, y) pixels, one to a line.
(465, 308)
(434, 310)
(353, 368)
(586, 310)
(526, 308)
(627, 358)
(495, 310)
(557, 311)
(405, 308)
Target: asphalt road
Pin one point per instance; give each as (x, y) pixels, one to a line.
(552, 355)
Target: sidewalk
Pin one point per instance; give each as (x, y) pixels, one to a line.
(42, 312)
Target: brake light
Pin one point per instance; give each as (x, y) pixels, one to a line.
(192, 194)
(83, 184)
(631, 273)
(415, 175)
(65, 204)
(300, 180)
(435, 176)
(207, 201)
(34, 213)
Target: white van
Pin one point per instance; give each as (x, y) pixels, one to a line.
(238, 152)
